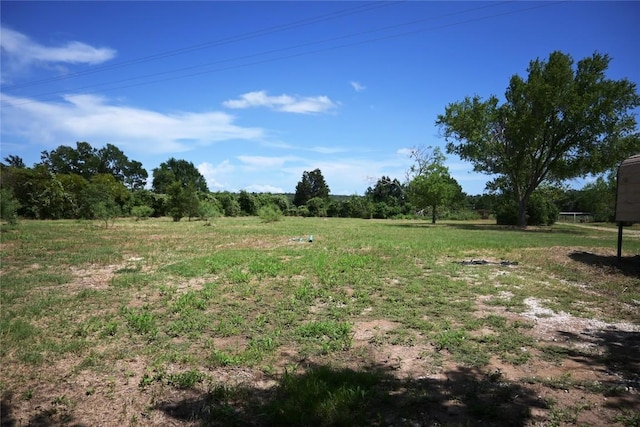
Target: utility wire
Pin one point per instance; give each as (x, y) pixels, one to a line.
(264, 53)
(226, 40)
(361, 42)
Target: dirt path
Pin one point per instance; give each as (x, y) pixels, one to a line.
(626, 231)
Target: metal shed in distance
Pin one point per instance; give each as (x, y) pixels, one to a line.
(628, 196)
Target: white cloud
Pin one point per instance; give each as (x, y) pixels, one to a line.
(283, 103)
(357, 86)
(94, 118)
(264, 188)
(404, 152)
(212, 174)
(20, 49)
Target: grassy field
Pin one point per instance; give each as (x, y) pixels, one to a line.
(372, 323)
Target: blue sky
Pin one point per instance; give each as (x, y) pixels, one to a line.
(256, 93)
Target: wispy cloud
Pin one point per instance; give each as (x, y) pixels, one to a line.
(95, 118)
(20, 51)
(328, 150)
(357, 86)
(284, 103)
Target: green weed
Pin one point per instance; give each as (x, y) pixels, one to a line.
(141, 322)
(323, 396)
(184, 380)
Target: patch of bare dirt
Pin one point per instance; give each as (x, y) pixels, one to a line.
(406, 361)
(92, 277)
(596, 356)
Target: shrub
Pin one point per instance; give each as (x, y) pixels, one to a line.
(540, 211)
(317, 207)
(141, 212)
(507, 214)
(8, 207)
(303, 211)
(208, 210)
(270, 213)
(463, 215)
(106, 211)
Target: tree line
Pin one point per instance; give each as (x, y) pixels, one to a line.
(88, 183)
(565, 120)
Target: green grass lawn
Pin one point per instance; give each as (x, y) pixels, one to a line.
(245, 322)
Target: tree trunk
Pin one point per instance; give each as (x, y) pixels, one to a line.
(522, 212)
(433, 214)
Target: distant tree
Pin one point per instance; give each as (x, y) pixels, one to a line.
(432, 186)
(334, 209)
(281, 202)
(86, 161)
(103, 198)
(230, 206)
(130, 172)
(248, 203)
(183, 201)
(356, 207)
(311, 185)
(560, 123)
(8, 206)
(177, 202)
(163, 178)
(177, 170)
(40, 194)
(82, 160)
(14, 162)
(74, 186)
(599, 198)
(317, 206)
(388, 191)
(192, 201)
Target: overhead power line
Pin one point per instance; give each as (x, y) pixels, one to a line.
(298, 54)
(210, 44)
(263, 53)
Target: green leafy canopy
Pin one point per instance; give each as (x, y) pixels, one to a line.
(562, 122)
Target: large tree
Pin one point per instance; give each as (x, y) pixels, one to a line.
(311, 185)
(178, 170)
(564, 121)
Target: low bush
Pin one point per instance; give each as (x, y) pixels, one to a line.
(270, 213)
(540, 211)
(141, 212)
